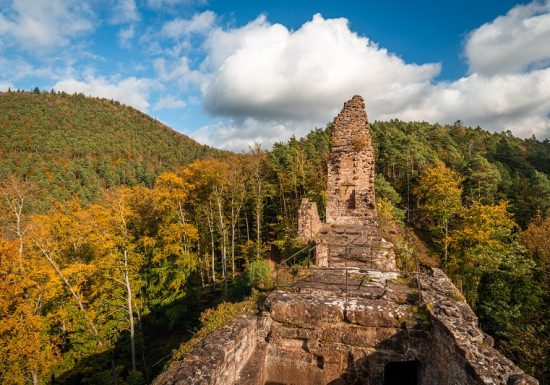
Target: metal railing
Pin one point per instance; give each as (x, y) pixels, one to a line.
(288, 275)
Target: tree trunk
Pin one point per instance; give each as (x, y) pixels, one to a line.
(224, 241)
(233, 226)
(211, 229)
(34, 377)
(247, 226)
(258, 209)
(142, 343)
(446, 244)
(113, 367)
(131, 326)
(50, 259)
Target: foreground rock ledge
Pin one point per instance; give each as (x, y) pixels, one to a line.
(314, 336)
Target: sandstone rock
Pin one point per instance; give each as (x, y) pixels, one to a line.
(352, 319)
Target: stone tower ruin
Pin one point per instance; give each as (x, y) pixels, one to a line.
(352, 319)
(351, 235)
(350, 187)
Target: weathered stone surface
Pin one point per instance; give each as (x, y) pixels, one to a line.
(458, 338)
(309, 223)
(353, 316)
(304, 310)
(350, 184)
(218, 359)
(376, 313)
(320, 337)
(350, 237)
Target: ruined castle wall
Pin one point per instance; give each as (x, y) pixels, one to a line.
(320, 339)
(219, 359)
(309, 223)
(350, 183)
(461, 352)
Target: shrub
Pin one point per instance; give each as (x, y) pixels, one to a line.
(259, 274)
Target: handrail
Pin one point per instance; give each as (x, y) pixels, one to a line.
(372, 246)
(295, 254)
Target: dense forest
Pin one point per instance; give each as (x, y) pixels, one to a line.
(102, 287)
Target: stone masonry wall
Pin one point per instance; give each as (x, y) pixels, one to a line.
(318, 338)
(217, 360)
(461, 351)
(309, 223)
(350, 184)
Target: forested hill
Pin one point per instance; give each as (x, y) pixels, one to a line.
(72, 145)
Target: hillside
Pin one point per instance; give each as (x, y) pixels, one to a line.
(72, 145)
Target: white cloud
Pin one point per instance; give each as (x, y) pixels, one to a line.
(125, 35)
(42, 24)
(513, 42)
(4, 86)
(179, 72)
(131, 91)
(163, 4)
(516, 102)
(266, 71)
(199, 23)
(240, 134)
(169, 102)
(125, 11)
(268, 82)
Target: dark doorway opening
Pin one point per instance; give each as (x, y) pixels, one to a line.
(402, 373)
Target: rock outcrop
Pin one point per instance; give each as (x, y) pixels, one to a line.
(352, 319)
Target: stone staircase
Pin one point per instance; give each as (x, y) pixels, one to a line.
(354, 246)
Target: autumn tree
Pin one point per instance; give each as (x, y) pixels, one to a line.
(259, 191)
(122, 259)
(208, 190)
(27, 349)
(438, 195)
(536, 238)
(14, 195)
(485, 240)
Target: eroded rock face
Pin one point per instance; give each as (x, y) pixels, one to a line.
(352, 319)
(317, 336)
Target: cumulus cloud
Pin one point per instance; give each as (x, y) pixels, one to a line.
(131, 91)
(199, 23)
(169, 102)
(242, 133)
(512, 42)
(265, 71)
(43, 24)
(267, 82)
(516, 102)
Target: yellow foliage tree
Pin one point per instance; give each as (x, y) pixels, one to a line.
(27, 351)
(438, 195)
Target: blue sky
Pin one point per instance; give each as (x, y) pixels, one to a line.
(228, 73)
